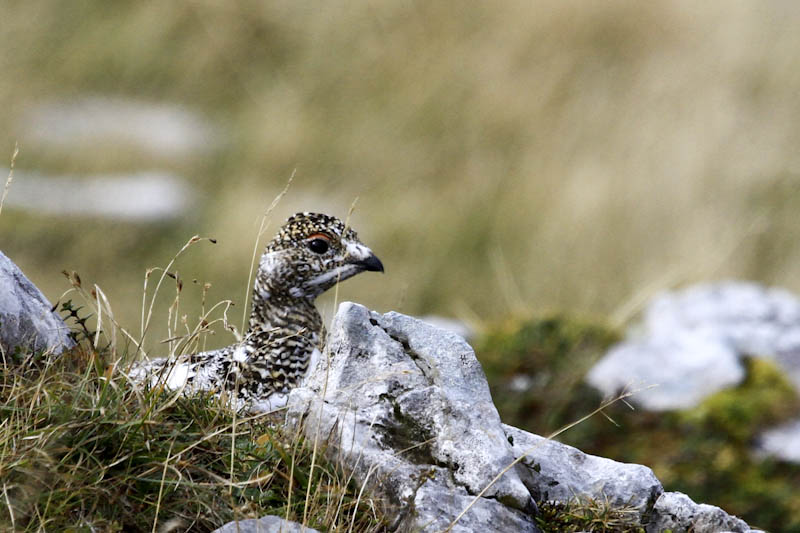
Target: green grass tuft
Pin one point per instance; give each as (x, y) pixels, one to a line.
(588, 515)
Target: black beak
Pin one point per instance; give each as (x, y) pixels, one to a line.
(372, 263)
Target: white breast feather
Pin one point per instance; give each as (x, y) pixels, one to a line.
(178, 375)
(240, 354)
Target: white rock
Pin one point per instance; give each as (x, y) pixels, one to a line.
(677, 337)
(691, 344)
(140, 196)
(782, 441)
(266, 524)
(669, 372)
(160, 128)
(677, 512)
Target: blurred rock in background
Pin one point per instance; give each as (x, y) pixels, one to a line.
(693, 343)
(714, 404)
(87, 122)
(137, 197)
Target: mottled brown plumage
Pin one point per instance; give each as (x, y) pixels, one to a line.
(310, 254)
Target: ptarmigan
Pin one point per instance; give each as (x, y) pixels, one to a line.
(309, 255)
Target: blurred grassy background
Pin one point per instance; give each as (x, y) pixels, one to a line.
(507, 156)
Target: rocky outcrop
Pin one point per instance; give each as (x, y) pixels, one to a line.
(406, 408)
(674, 510)
(26, 317)
(564, 473)
(692, 343)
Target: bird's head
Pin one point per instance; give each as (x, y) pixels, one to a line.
(309, 255)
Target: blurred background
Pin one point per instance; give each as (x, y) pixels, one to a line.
(509, 159)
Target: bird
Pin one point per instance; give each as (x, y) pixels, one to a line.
(311, 253)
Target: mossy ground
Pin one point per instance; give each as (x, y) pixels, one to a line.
(535, 370)
(704, 452)
(81, 449)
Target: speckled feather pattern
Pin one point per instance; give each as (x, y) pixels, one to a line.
(309, 255)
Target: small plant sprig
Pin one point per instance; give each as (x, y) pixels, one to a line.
(70, 313)
(588, 515)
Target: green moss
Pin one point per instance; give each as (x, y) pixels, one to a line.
(764, 398)
(712, 458)
(549, 356)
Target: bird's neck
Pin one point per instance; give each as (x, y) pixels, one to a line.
(276, 310)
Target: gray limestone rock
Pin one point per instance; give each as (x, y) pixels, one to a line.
(677, 512)
(266, 524)
(562, 473)
(691, 342)
(782, 441)
(747, 317)
(138, 196)
(162, 129)
(405, 407)
(26, 319)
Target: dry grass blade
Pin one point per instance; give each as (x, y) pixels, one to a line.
(10, 176)
(291, 470)
(262, 228)
(161, 486)
(8, 505)
(165, 272)
(327, 373)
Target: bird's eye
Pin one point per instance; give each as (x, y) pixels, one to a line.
(318, 245)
